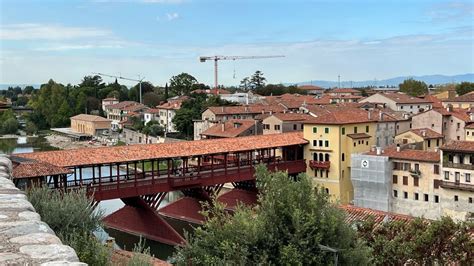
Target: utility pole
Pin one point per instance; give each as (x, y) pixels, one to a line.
(339, 81)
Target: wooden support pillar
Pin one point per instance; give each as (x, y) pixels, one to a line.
(64, 177)
(128, 171)
(212, 165)
(135, 166)
(75, 176)
(168, 168)
(100, 177)
(143, 168)
(225, 164)
(118, 175)
(199, 164)
(93, 174)
(237, 156)
(80, 176)
(110, 173)
(152, 172)
(55, 180)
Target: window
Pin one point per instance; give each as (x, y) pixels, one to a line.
(417, 167)
(457, 177)
(302, 126)
(355, 143)
(277, 127)
(432, 125)
(295, 126)
(470, 199)
(436, 183)
(456, 198)
(405, 195)
(436, 199)
(415, 181)
(326, 130)
(395, 194)
(401, 107)
(320, 143)
(416, 196)
(411, 106)
(458, 126)
(436, 169)
(426, 197)
(355, 130)
(367, 143)
(446, 175)
(326, 157)
(405, 180)
(468, 177)
(429, 143)
(343, 157)
(394, 179)
(327, 174)
(315, 130)
(343, 131)
(327, 190)
(326, 143)
(367, 129)
(315, 143)
(437, 143)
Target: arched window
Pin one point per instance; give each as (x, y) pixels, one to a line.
(326, 157)
(327, 190)
(321, 156)
(315, 156)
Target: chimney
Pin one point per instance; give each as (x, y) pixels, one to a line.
(222, 108)
(379, 150)
(423, 133)
(449, 108)
(381, 116)
(451, 94)
(223, 126)
(398, 147)
(471, 116)
(369, 115)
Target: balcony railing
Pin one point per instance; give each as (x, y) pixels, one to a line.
(319, 164)
(457, 185)
(458, 165)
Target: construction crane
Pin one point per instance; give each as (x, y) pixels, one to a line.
(139, 80)
(216, 58)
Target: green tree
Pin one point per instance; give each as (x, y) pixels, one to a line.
(245, 84)
(31, 128)
(438, 242)
(182, 84)
(413, 87)
(464, 87)
(28, 90)
(257, 80)
(293, 225)
(8, 122)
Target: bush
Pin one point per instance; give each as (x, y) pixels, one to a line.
(141, 256)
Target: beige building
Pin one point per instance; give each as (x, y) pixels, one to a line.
(90, 124)
(465, 101)
(284, 122)
(233, 128)
(167, 111)
(450, 122)
(400, 102)
(457, 183)
(108, 101)
(424, 138)
(118, 112)
(469, 132)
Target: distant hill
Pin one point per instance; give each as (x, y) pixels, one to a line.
(428, 79)
(5, 86)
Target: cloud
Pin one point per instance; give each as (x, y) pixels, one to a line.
(451, 11)
(172, 16)
(48, 32)
(68, 47)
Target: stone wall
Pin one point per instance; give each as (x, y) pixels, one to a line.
(24, 238)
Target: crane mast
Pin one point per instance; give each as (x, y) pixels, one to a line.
(216, 59)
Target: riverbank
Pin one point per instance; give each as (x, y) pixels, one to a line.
(65, 143)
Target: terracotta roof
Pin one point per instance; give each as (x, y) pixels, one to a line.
(33, 168)
(357, 214)
(460, 113)
(121, 105)
(291, 100)
(292, 116)
(110, 99)
(310, 88)
(409, 154)
(459, 145)
(345, 97)
(237, 196)
(436, 101)
(229, 129)
(134, 108)
(152, 111)
(121, 258)
(426, 133)
(339, 115)
(186, 208)
(359, 136)
(344, 90)
(404, 98)
(104, 155)
(470, 126)
(468, 97)
(90, 118)
(246, 109)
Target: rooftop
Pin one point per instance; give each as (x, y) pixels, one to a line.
(292, 116)
(409, 154)
(106, 155)
(344, 90)
(90, 118)
(121, 105)
(246, 109)
(357, 214)
(399, 97)
(426, 133)
(31, 168)
(460, 113)
(338, 115)
(468, 97)
(229, 129)
(459, 145)
(152, 111)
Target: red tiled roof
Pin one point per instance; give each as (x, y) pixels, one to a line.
(460, 113)
(246, 109)
(338, 115)
(152, 111)
(230, 129)
(468, 97)
(186, 208)
(90, 118)
(32, 168)
(110, 99)
(470, 126)
(173, 104)
(404, 98)
(235, 196)
(357, 214)
(121, 105)
(459, 145)
(344, 90)
(426, 133)
(409, 154)
(134, 108)
(435, 100)
(292, 116)
(105, 155)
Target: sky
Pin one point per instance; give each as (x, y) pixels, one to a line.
(66, 40)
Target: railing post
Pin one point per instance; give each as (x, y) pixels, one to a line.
(118, 175)
(212, 165)
(80, 176)
(135, 173)
(153, 172)
(100, 177)
(225, 164)
(93, 174)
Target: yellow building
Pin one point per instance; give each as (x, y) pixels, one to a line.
(333, 135)
(424, 138)
(89, 124)
(469, 132)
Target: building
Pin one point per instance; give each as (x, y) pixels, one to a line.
(469, 132)
(465, 101)
(224, 113)
(108, 101)
(424, 138)
(457, 184)
(312, 90)
(117, 112)
(168, 111)
(219, 92)
(398, 180)
(233, 128)
(284, 122)
(400, 102)
(449, 122)
(90, 124)
(343, 92)
(151, 114)
(334, 134)
(242, 97)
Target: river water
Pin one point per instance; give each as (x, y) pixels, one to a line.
(122, 240)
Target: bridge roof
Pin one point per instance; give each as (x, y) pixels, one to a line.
(116, 154)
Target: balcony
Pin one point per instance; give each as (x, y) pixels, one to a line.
(456, 185)
(319, 164)
(458, 165)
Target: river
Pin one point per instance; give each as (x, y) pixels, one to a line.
(122, 240)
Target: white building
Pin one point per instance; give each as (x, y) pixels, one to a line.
(400, 102)
(151, 114)
(242, 97)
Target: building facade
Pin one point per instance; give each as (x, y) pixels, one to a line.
(90, 124)
(400, 102)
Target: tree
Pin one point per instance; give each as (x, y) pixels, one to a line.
(8, 122)
(413, 87)
(438, 242)
(464, 87)
(291, 225)
(257, 80)
(28, 90)
(153, 128)
(245, 84)
(182, 84)
(152, 99)
(146, 88)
